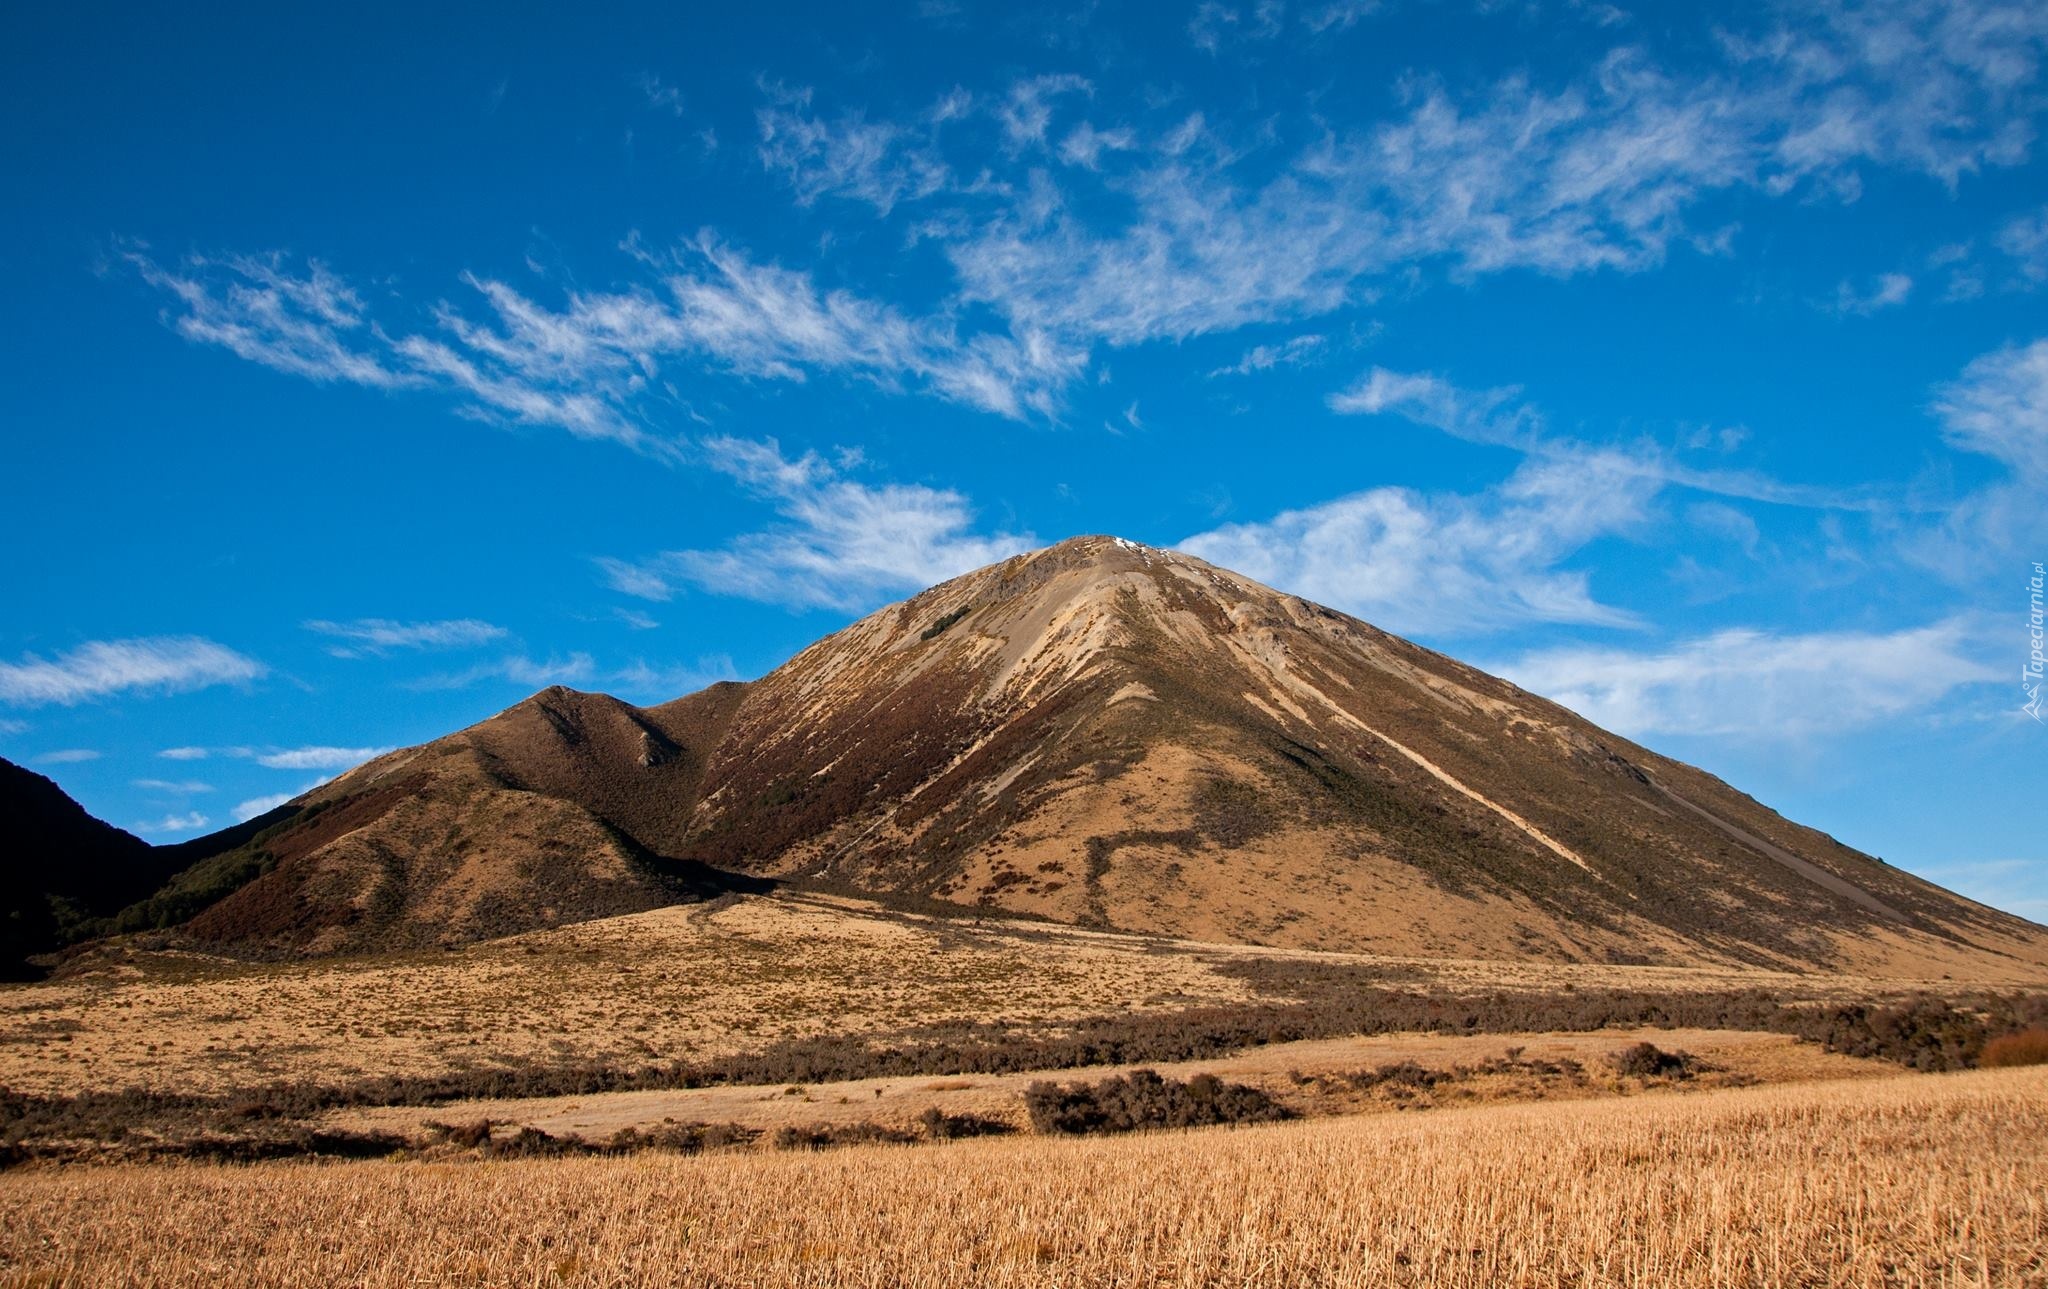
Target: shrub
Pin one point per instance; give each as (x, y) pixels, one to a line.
(818, 1136)
(1232, 814)
(1403, 1074)
(938, 627)
(531, 1143)
(686, 1138)
(1922, 1032)
(467, 1136)
(1649, 1061)
(1142, 1099)
(1404, 1081)
(940, 1126)
(2028, 1047)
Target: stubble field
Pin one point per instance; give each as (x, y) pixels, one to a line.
(1905, 1180)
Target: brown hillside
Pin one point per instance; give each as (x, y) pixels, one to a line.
(1110, 734)
(526, 820)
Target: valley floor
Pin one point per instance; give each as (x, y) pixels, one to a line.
(1313, 1077)
(1893, 1180)
(703, 981)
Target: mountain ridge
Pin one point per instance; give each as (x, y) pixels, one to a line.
(1110, 734)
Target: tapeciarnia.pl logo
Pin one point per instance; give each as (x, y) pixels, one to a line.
(2030, 675)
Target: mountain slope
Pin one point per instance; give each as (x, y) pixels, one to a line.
(1110, 734)
(1105, 732)
(62, 868)
(526, 820)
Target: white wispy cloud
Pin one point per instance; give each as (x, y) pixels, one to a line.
(1214, 23)
(191, 821)
(1027, 113)
(843, 544)
(295, 318)
(763, 320)
(1085, 145)
(2015, 885)
(2024, 239)
(69, 756)
(672, 680)
(1596, 175)
(523, 670)
(316, 758)
(1596, 172)
(1289, 353)
(1201, 255)
(1480, 415)
(99, 668)
(10, 726)
(1754, 684)
(1998, 408)
(1887, 291)
(1450, 564)
(628, 577)
(185, 753)
(247, 810)
(1338, 15)
(380, 635)
(660, 95)
(1502, 417)
(593, 366)
(639, 678)
(876, 162)
(1943, 87)
(1605, 169)
(176, 787)
(542, 672)
(1207, 27)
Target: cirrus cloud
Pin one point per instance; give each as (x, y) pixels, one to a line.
(100, 668)
(380, 635)
(1753, 684)
(843, 543)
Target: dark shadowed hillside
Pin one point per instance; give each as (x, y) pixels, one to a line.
(61, 867)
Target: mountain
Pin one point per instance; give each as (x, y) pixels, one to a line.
(529, 819)
(62, 867)
(1107, 734)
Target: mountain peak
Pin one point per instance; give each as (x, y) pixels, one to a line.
(1101, 550)
(1106, 733)
(1099, 544)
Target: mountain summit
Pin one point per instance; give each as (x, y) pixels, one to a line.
(1110, 734)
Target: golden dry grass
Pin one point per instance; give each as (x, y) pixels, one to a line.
(689, 982)
(1273, 1068)
(683, 981)
(1913, 1180)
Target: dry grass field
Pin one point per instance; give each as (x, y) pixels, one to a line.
(1308, 1077)
(1907, 1180)
(689, 981)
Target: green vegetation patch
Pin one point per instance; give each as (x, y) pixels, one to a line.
(938, 627)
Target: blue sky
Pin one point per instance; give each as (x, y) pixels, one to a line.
(366, 372)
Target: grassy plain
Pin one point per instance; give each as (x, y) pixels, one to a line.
(1900, 1180)
(689, 982)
